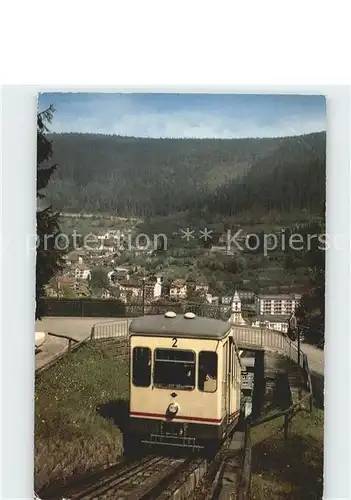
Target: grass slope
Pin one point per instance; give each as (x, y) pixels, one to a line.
(288, 470)
(71, 429)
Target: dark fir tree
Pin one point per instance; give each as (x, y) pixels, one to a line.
(150, 177)
(310, 312)
(49, 255)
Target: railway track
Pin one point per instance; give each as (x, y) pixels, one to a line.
(148, 478)
(155, 477)
(228, 474)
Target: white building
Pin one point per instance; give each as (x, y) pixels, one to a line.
(246, 295)
(178, 289)
(153, 288)
(276, 304)
(271, 321)
(110, 276)
(119, 273)
(82, 272)
(74, 257)
(209, 298)
(202, 288)
(105, 294)
(236, 316)
(130, 290)
(138, 289)
(158, 287)
(226, 300)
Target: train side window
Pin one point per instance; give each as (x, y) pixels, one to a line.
(208, 373)
(141, 366)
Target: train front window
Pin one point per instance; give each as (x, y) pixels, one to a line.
(174, 369)
(207, 371)
(141, 366)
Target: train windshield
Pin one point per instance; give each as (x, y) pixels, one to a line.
(174, 369)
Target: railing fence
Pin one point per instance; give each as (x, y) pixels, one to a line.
(246, 337)
(110, 329)
(265, 338)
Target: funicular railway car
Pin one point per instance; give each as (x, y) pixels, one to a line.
(185, 381)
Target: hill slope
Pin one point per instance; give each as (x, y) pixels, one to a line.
(292, 177)
(150, 177)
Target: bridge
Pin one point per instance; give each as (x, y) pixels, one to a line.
(247, 338)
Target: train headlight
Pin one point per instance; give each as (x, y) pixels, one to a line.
(173, 408)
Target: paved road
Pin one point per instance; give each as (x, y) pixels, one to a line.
(316, 366)
(49, 350)
(315, 358)
(247, 336)
(77, 328)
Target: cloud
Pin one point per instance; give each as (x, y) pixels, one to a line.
(130, 115)
(188, 125)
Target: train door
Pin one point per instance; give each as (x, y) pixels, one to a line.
(233, 407)
(224, 380)
(233, 379)
(238, 385)
(229, 376)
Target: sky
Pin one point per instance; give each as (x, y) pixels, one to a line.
(186, 115)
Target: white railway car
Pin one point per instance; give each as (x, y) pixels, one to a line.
(185, 381)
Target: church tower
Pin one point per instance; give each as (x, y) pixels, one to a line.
(236, 316)
(236, 303)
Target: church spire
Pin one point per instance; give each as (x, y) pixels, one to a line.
(236, 302)
(236, 317)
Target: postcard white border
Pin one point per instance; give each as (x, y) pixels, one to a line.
(18, 278)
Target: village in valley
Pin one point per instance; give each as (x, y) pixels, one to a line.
(113, 268)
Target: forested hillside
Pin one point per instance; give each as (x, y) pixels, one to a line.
(147, 177)
(293, 177)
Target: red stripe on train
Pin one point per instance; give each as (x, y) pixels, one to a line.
(180, 417)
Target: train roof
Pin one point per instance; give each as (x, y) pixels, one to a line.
(180, 326)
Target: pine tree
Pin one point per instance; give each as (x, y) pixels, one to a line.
(49, 255)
